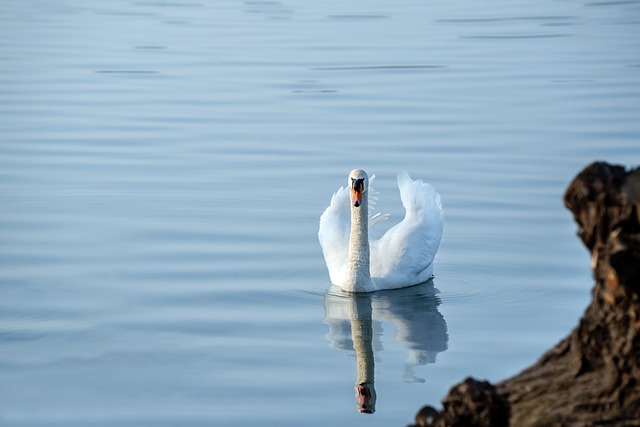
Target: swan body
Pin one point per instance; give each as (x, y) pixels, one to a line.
(402, 257)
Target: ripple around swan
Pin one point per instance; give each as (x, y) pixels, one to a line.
(425, 292)
(493, 295)
(471, 294)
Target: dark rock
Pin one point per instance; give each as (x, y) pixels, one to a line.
(592, 377)
(427, 416)
(475, 403)
(472, 403)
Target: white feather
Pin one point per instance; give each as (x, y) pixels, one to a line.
(405, 254)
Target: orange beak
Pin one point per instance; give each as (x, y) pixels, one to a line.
(356, 197)
(357, 185)
(363, 396)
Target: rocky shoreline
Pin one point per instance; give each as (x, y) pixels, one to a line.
(591, 377)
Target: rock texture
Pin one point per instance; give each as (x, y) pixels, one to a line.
(592, 377)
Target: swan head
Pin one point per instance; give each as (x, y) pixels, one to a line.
(366, 398)
(358, 183)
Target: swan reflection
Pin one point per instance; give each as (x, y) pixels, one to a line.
(355, 324)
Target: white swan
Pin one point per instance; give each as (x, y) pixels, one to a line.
(402, 257)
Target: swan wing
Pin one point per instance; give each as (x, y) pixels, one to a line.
(404, 255)
(335, 223)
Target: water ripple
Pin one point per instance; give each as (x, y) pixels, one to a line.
(381, 67)
(493, 295)
(358, 17)
(518, 37)
(504, 19)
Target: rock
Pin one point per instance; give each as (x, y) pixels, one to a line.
(427, 416)
(592, 377)
(470, 403)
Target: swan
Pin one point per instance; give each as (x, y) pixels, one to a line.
(402, 257)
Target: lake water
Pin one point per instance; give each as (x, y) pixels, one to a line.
(163, 166)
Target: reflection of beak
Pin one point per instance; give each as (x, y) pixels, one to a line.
(363, 396)
(356, 192)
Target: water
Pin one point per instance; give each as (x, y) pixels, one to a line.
(163, 166)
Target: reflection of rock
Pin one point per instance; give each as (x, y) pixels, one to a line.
(355, 324)
(592, 377)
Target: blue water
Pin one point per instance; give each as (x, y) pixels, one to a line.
(163, 166)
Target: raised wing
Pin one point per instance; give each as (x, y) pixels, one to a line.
(404, 255)
(335, 224)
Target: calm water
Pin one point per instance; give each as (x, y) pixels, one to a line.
(163, 166)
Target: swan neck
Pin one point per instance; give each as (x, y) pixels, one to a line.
(362, 337)
(359, 273)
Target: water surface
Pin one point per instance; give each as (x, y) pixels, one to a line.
(163, 166)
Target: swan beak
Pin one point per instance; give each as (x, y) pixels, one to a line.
(356, 198)
(366, 404)
(357, 185)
